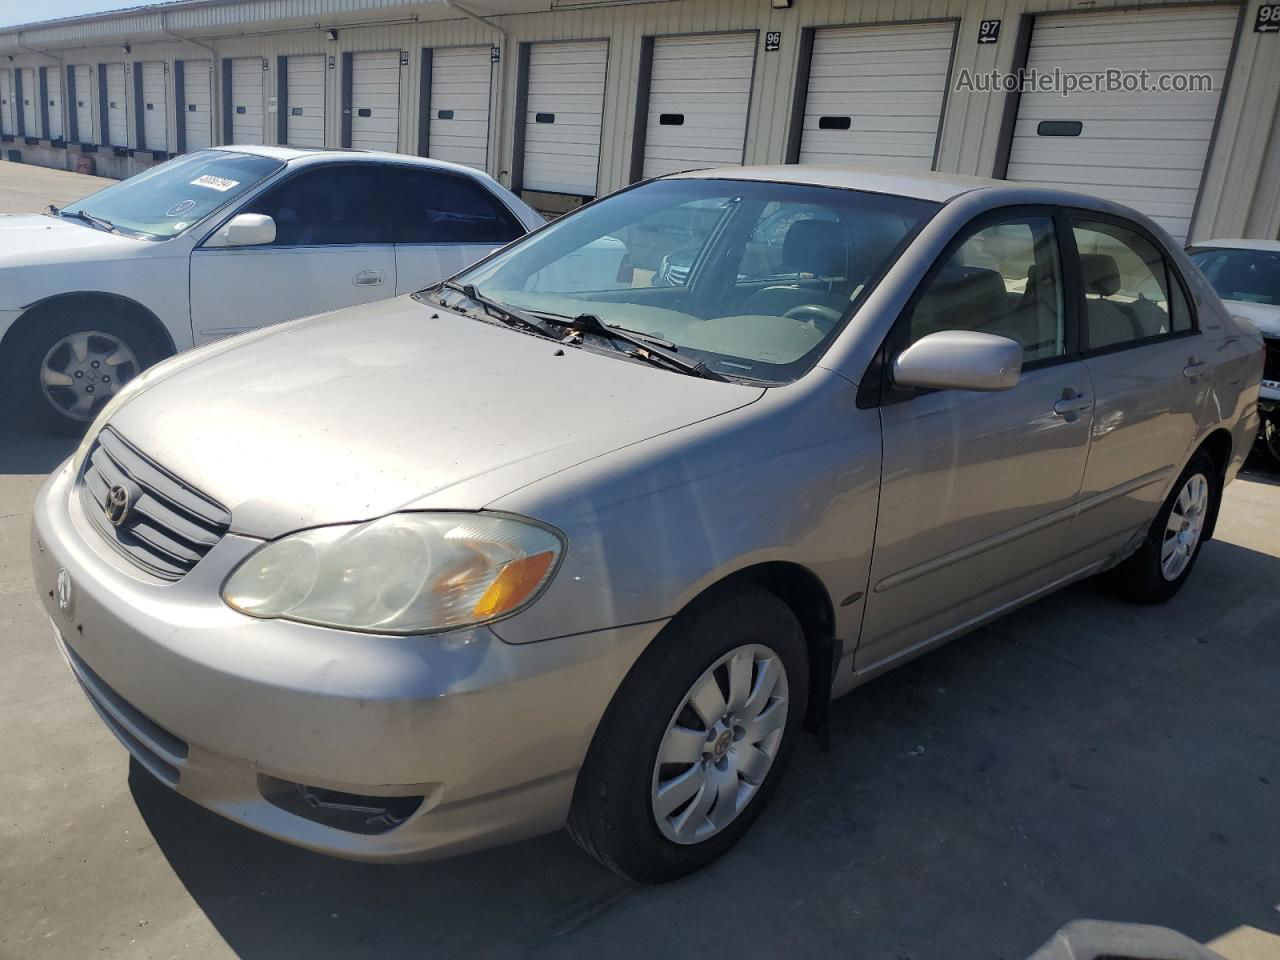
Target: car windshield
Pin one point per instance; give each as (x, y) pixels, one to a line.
(1252, 276)
(168, 199)
(752, 279)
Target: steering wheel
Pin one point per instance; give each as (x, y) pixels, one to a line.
(823, 317)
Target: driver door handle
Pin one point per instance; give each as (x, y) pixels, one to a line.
(1072, 405)
(367, 278)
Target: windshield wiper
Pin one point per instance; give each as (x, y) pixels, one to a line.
(89, 218)
(652, 349)
(508, 315)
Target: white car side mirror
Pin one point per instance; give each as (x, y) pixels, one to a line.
(959, 360)
(245, 230)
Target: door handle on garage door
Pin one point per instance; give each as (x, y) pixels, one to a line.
(1072, 404)
(367, 278)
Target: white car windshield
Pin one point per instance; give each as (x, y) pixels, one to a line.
(168, 199)
(1251, 276)
(750, 278)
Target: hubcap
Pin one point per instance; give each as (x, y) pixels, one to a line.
(81, 372)
(720, 744)
(1186, 523)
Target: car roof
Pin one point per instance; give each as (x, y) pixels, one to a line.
(347, 154)
(1271, 246)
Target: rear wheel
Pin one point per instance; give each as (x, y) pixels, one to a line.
(1162, 564)
(65, 369)
(696, 738)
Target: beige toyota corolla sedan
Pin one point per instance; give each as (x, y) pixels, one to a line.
(551, 544)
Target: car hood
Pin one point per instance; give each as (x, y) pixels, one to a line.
(33, 238)
(1262, 315)
(355, 414)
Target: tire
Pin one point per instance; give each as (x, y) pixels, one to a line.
(1143, 577)
(50, 343)
(614, 816)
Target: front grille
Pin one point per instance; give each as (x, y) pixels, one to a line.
(169, 525)
(1271, 365)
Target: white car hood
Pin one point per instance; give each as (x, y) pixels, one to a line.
(1263, 316)
(31, 239)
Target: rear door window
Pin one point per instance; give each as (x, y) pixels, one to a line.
(433, 207)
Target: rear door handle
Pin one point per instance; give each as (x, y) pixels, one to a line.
(367, 278)
(1193, 368)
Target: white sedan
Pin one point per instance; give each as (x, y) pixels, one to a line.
(222, 241)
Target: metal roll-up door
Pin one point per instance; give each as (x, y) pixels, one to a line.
(459, 121)
(155, 106)
(375, 100)
(197, 104)
(53, 94)
(564, 115)
(8, 119)
(83, 106)
(699, 93)
(30, 103)
(304, 113)
(246, 100)
(117, 106)
(876, 95)
(1145, 149)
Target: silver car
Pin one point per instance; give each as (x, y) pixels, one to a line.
(539, 546)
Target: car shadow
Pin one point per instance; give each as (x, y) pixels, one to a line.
(26, 450)
(1080, 758)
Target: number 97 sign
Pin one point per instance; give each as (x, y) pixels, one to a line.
(1268, 20)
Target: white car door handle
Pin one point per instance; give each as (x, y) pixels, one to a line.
(1072, 407)
(367, 278)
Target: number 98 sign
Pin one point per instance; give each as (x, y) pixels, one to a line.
(1268, 20)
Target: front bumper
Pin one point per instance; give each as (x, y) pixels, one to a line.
(224, 707)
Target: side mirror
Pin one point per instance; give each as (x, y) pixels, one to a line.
(959, 360)
(245, 230)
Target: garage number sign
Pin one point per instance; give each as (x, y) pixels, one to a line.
(989, 31)
(495, 54)
(773, 40)
(1268, 19)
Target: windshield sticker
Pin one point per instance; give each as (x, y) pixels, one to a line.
(221, 184)
(179, 208)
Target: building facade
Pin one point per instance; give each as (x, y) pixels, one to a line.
(569, 99)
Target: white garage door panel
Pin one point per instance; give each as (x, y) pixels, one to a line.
(1147, 150)
(889, 82)
(706, 80)
(54, 80)
(83, 106)
(197, 103)
(460, 85)
(8, 123)
(246, 100)
(155, 106)
(304, 121)
(375, 87)
(31, 103)
(117, 106)
(566, 80)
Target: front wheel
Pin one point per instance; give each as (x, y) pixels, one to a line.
(1162, 564)
(65, 370)
(696, 738)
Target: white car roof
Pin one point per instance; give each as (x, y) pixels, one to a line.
(939, 187)
(1271, 246)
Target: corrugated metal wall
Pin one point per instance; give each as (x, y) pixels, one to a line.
(1242, 187)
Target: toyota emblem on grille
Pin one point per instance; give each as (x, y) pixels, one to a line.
(118, 505)
(64, 594)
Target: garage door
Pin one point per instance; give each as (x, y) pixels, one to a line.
(155, 107)
(30, 103)
(459, 123)
(304, 118)
(1145, 149)
(8, 121)
(53, 98)
(375, 100)
(196, 103)
(83, 106)
(876, 95)
(563, 116)
(117, 106)
(699, 92)
(246, 100)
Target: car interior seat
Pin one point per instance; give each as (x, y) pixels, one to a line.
(819, 253)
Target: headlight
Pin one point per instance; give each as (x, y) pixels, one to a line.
(406, 573)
